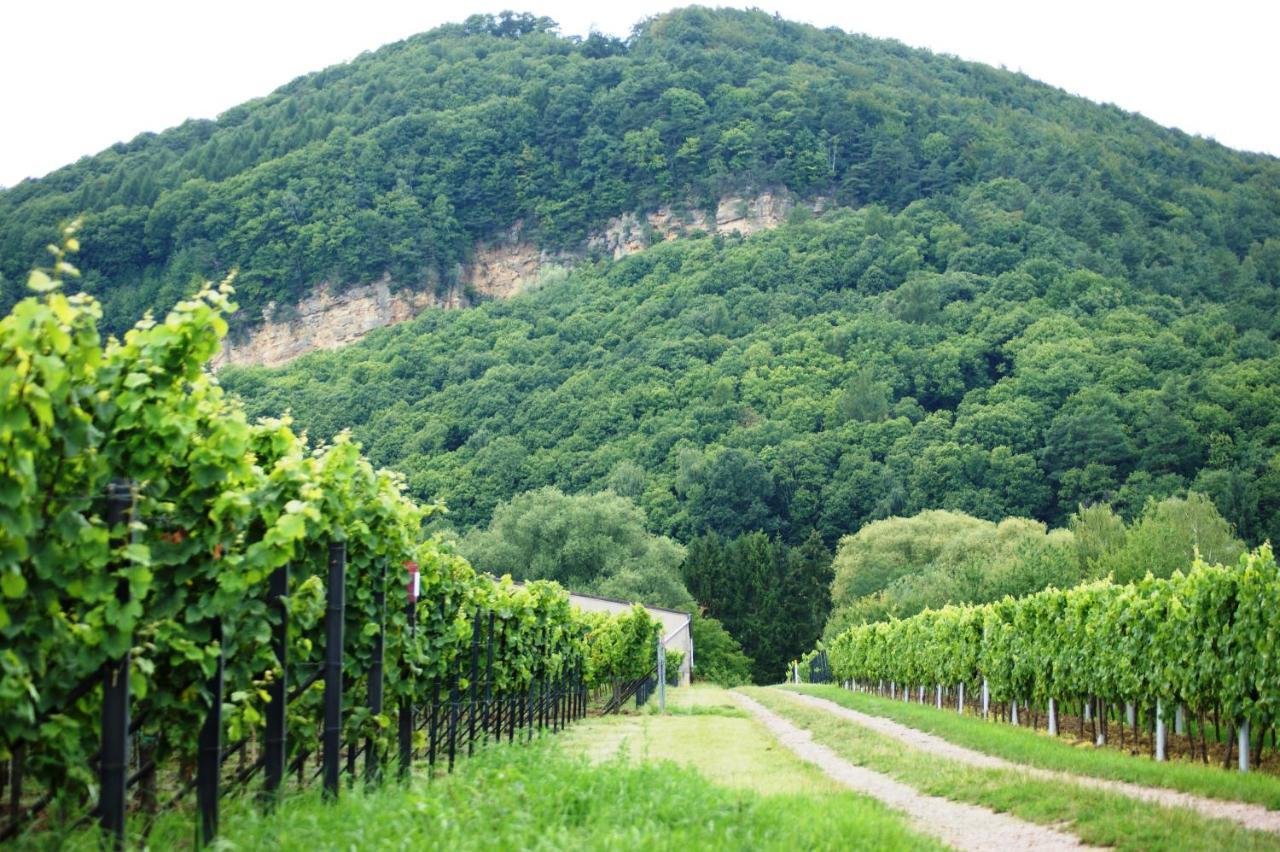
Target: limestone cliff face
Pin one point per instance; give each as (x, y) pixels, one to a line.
(735, 214)
(327, 320)
(499, 269)
(509, 265)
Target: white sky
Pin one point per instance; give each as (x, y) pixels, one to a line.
(79, 76)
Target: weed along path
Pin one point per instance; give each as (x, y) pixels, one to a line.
(961, 826)
(1251, 816)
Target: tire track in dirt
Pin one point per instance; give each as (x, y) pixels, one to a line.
(1251, 816)
(961, 826)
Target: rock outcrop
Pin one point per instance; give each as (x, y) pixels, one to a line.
(327, 320)
(735, 214)
(499, 269)
(506, 267)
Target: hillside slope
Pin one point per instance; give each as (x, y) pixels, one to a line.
(820, 375)
(1022, 301)
(397, 163)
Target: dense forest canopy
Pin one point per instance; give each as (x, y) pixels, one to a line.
(817, 377)
(397, 162)
(1019, 303)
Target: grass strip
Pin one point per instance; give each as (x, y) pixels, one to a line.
(1095, 816)
(711, 734)
(540, 797)
(1037, 748)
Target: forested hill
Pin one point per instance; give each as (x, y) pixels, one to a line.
(1023, 301)
(397, 162)
(822, 375)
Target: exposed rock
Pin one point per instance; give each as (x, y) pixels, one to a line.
(499, 269)
(746, 216)
(327, 320)
(506, 267)
(735, 214)
(627, 234)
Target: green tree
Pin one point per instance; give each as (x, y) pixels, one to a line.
(594, 544)
(730, 494)
(718, 657)
(864, 398)
(1169, 535)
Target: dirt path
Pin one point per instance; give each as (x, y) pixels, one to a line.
(1251, 816)
(962, 826)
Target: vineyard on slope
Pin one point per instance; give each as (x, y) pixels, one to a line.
(148, 529)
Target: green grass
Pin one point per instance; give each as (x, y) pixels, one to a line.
(699, 698)
(545, 796)
(1095, 816)
(705, 730)
(1037, 748)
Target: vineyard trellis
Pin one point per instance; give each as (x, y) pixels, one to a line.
(1200, 644)
(174, 575)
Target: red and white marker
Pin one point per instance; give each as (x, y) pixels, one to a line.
(415, 581)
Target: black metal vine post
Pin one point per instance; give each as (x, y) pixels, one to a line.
(434, 727)
(453, 722)
(529, 709)
(278, 691)
(406, 704)
(513, 699)
(333, 665)
(474, 684)
(114, 766)
(372, 759)
(488, 680)
(209, 754)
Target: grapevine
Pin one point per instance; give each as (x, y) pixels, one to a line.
(220, 504)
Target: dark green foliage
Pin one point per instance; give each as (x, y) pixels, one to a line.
(395, 162)
(1003, 406)
(773, 599)
(717, 656)
(1024, 302)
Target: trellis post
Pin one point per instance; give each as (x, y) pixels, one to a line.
(662, 676)
(488, 680)
(1160, 730)
(474, 684)
(114, 765)
(278, 690)
(413, 589)
(334, 615)
(372, 759)
(209, 754)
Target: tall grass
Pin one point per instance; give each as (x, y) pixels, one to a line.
(539, 797)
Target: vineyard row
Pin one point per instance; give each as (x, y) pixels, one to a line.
(1205, 642)
(176, 576)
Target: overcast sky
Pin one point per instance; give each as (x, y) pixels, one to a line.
(79, 76)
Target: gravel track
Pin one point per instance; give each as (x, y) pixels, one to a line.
(1250, 816)
(961, 826)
